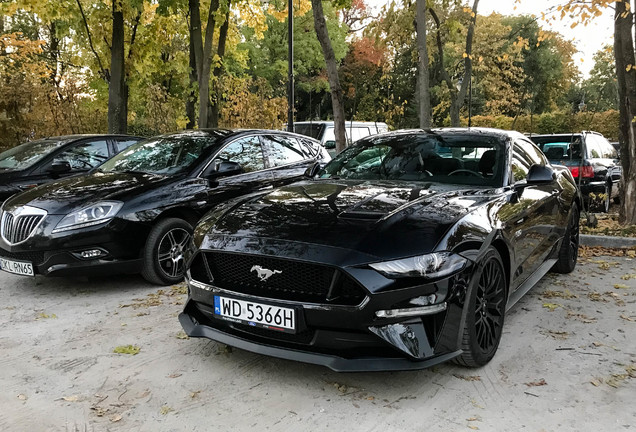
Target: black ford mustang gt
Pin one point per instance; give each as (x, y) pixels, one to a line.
(406, 250)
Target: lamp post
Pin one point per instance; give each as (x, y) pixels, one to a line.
(290, 60)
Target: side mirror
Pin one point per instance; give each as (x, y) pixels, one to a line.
(59, 167)
(223, 169)
(330, 145)
(540, 174)
(312, 170)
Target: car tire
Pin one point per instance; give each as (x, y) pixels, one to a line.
(486, 308)
(162, 261)
(607, 202)
(569, 250)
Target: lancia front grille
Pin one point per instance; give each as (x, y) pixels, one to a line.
(20, 224)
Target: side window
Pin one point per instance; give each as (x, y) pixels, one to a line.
(86, 155)
(532, 152)
(359, 132)
(594, 150)
(520, 164)
(282, 150)
(312, 148)
(123, 144)
(245, 151)
(607, 150)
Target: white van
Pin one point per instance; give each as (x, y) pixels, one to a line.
(323, 131)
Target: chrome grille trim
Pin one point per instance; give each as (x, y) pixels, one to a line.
(18, 225)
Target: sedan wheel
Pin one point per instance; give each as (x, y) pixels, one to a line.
(569, 251)
(486, 305)
(164, 262)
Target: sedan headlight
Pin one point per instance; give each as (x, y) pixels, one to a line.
(94, 214)
(433, 265)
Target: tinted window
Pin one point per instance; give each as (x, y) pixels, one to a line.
(533, 152)
(456, 159)
(26, 155)
(246, 151)
(310, 130)
(520, 165)
(607, 150)
(125, 143)
(559, 147)
(282, 150)
(86, 155)
(162, 155)
(355, 133)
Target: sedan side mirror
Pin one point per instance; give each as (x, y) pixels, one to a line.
(330, 145)
(312, 170)
(59, 167)
(540, 174)
(224, 169)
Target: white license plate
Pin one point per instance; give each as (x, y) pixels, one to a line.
(255, 314)
(16, 267)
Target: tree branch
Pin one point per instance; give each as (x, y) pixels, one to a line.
(104, 72)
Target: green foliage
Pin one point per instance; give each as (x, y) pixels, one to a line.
(555, 122)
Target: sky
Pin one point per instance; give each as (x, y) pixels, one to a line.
(588, 39)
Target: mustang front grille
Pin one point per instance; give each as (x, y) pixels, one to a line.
(278, 278)
(18, 226)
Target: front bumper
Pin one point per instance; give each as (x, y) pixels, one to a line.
(58, 254)
(345, 337)
(333, 362)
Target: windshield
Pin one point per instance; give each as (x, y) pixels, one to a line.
(26, 155)
(453, 159)
(162, 155)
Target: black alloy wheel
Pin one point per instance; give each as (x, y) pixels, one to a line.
(486, 308)
(607, 202)
(569, 250)
(163, 256)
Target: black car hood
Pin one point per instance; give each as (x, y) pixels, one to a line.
(66, 195)
(382, 219)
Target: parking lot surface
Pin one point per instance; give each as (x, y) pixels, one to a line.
(567, 362)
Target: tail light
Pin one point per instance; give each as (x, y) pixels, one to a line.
(586, 171)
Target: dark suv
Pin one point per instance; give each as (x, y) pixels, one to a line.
(592, 160)
(37, 162)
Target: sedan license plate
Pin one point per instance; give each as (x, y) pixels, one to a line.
(17, 267)
(256, 314)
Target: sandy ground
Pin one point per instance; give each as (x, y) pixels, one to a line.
(564, 364)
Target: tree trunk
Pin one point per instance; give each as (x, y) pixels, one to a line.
(117, 101)
(624, 54)
(206, 66)
(458, 101)
(192, 94)
(218, 70)
(332, 74)
(424, 98)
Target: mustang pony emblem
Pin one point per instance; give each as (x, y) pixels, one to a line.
(263, 273)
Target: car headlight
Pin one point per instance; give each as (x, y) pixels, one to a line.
(433, 265)
(94, 214)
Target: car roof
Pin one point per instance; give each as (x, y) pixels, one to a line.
(75, 137)
(227, 133)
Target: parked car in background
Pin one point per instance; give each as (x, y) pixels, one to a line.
(323, 131)
(405, 251)
(592, 160)
(37, 162)
(135, 212)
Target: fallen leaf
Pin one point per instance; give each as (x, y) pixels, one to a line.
(626, 318)
(558, 335)
(22, 397)
(115, 418)
(70, 398)
(629, 276)
(558, 294)
(194, 394)
(127, 349)
(165, 410)
(539, 383)
(175, 375)
(182, 335)
(621, 286)
(581, 317)
(551, 306)
(597, 297)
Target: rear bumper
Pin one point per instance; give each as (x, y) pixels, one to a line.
(333, 362)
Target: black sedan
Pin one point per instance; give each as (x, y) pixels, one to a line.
(406, 250)
(135, 212)
(37, 162)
